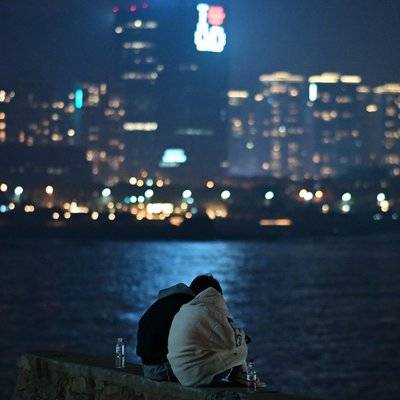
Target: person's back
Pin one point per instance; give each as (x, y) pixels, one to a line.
(153, 330)
(202, 344)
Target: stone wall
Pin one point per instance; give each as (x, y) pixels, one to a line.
(50, 376)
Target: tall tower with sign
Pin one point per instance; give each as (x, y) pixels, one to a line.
(197, 73)
(170, 80)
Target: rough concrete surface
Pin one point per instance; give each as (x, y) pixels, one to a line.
(52, 376)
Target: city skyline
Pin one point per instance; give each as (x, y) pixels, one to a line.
(169, 115)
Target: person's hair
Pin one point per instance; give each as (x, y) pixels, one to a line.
(203, 282)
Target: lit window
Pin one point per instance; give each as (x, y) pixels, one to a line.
(138, 45)
(173, 158)
(140, 126)
(140, 76)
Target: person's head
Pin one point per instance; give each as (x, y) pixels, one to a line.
(203, 282)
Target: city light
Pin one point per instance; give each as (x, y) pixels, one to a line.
(94, 216)
(55, 216)
(371, 108)
(210, 184)
(308, 196)
(160, 208)
(140, 126)
(18, 190)
(269, 195)
(148, 193)
(385, 206)
(313, 92)
(132, 181)
(3, 187)
(173, 158)
(49, 190)
(78, 99)
(29, 208)
(346, 196)
(303, 193)
(176, 221)
(186, 194)
(111, 217)
(381, 197)
(238, 94)
(225, 195)
(346, 208)
(325, 208)
(276, 222)
(106, 192)
(76, 209)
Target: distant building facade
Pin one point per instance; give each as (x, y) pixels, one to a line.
(388, 113)
(334, 118)
(267, 128)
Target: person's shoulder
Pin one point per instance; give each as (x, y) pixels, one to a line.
(180, 288)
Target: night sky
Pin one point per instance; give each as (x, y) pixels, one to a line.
(62, 42)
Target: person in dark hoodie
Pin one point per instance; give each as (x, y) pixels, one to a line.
(155, 324)
(153, 330)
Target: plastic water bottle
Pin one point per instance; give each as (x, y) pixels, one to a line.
(251, 373)
(120, 354)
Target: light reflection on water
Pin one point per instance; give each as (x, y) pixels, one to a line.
(323, 317)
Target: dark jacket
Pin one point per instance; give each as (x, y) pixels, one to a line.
(154, 326)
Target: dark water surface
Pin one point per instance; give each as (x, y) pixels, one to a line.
(324, 317)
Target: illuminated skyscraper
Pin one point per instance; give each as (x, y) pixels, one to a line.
(334, 116)
(136, 86)
(243, 160)
(267, 130)
(280, 120)
(171, 78)
(370, 125)
(388, 111)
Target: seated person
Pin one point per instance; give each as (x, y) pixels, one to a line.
(153, 329)
(203, 346)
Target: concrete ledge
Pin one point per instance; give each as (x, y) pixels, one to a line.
(52, 376)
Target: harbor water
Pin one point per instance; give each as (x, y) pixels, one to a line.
(323, 316)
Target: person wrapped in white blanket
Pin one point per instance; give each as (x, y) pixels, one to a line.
(203, 346)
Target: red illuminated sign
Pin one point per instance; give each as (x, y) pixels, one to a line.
(216, 15)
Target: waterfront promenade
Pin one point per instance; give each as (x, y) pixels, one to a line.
(51, 376)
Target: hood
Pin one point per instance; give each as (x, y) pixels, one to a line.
(211, 297)
(180, 288)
